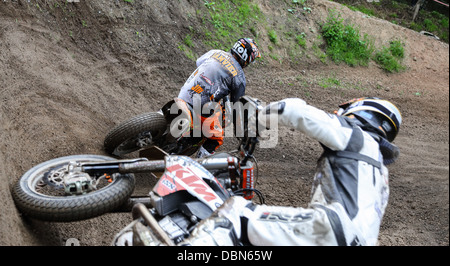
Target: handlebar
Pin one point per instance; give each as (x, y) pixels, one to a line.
(144, 166)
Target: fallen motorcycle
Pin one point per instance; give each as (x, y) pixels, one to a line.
(188, 190)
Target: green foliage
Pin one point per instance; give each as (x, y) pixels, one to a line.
(399, 12)
(188, 41)
(396, 49)
(298, 5)
(231, 19)
(344, 43)
(301, 39)
(361, 9)
(329, 82)
(388, 57)
(429, 25)
(301, 2)
(433, 22)
(187, 51)
(224, 22)
(387, 61)
(273, 36)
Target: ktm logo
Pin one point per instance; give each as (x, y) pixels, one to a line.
(193, 182)
(198, 89)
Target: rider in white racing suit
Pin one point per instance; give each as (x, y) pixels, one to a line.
(350, 189)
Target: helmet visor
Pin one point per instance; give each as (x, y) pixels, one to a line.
(378, 121)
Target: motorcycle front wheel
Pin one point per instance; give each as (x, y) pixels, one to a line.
(41, 194)
(136, 133)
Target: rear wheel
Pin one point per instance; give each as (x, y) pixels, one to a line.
(135, 133)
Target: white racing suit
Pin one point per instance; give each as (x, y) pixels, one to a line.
(349, 195)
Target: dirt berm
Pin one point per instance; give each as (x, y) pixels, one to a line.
(69, 72)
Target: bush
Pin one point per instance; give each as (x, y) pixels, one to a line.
(388, 58)
(396, 49)
(429, 25)
(344, 43)
(273, 36)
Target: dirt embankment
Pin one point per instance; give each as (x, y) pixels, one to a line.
(70, 72)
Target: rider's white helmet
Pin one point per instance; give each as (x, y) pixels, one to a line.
(379, 113)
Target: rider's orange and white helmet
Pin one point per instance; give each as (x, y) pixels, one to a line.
(246, 51)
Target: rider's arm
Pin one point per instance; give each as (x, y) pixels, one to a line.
(233, 86)
(238, 89)
(325, 128)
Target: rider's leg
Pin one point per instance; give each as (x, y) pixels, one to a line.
(212, 129)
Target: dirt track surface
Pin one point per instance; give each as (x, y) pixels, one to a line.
(67, 76)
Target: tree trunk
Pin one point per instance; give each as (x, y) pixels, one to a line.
(417, 8)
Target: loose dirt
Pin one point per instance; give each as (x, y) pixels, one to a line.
(70, 72)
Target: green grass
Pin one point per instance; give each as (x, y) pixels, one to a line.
(396, 49)
(387, 61)
(361, 9)
(329, 82)
(273, 36)
(389, 58)
(231, 20)
(301, 39)
(399, 12)
(224, 21)
(433, 22)
(188, 41)
(188, 52)
(344, 42)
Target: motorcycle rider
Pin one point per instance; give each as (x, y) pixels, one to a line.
(350, 188)
(218, 74)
